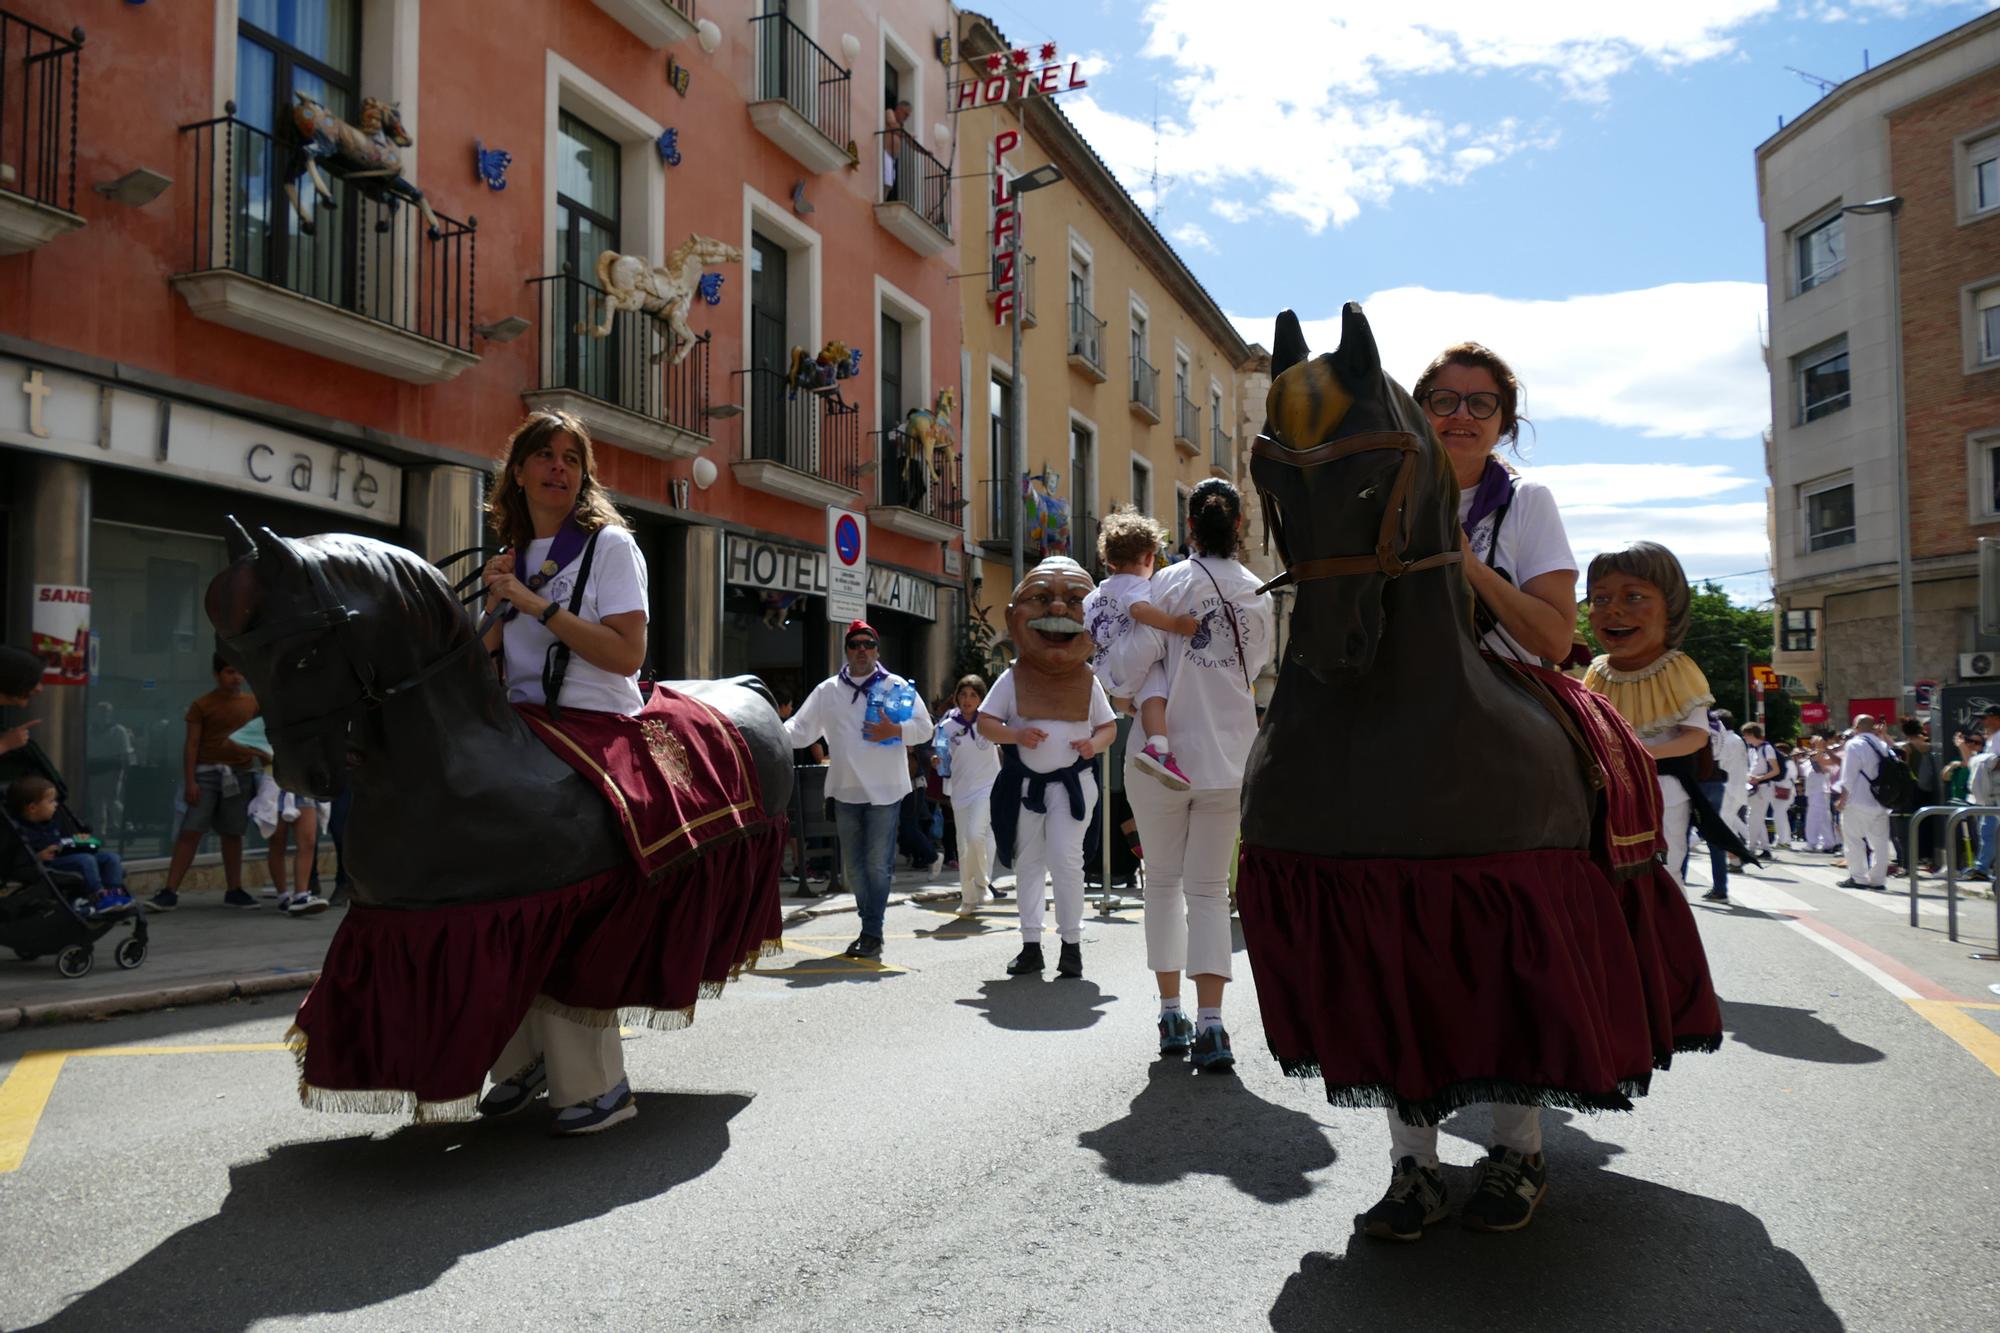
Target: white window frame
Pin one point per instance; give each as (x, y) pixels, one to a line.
(642, 179)
(390, 30)
(1141, 465)
(1810, 359)
(802, 280)
(1096, 496)
(915, 317)
(997, 369)
(1830, 217)
(1970, 150)
(1976, 301)
(1982, 469)
(1807, 492)
(890, 42)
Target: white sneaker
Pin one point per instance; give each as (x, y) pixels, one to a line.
(284, 900)
(614, 1107)
(271, 891)
(306, 904)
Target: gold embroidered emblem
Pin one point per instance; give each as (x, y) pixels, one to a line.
(669, 755)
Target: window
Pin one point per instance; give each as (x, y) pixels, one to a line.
(1986, 477)
(1984, 185)
(1821, 380)
(587, 224)
(1142, 485)
(1986, 325)
(1800, 632)
(1829, 513)
(1820, 250)
(999, 419)
(1180, 520)
(1082, 469)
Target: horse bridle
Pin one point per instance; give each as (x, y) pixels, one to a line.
(332, 616)
(1387, 559)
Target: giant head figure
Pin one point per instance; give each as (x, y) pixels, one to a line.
(1052, 663)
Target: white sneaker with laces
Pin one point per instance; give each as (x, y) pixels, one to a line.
(589, 1117)
(306, 904)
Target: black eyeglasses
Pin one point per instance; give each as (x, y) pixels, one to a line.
(1444, 402)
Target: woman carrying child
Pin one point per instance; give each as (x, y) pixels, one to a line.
(1129, 543)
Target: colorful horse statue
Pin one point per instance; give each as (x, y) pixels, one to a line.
(929, 431)
(365, 155)
(500, 861)
(822, 373)
(1527, 946)
(666, 290)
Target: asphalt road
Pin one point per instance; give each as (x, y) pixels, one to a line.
(831, 1146)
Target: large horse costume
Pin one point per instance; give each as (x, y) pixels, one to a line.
(1512, 937)
(607, 869)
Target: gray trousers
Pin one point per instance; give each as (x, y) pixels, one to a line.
(584, 1062)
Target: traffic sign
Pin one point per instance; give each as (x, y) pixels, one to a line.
(846, 565)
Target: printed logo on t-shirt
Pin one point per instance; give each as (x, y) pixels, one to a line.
(1108, 623)
(1212, 644)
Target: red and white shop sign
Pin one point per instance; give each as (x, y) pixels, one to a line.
(1005, 241)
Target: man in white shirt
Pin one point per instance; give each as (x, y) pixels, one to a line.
(868, 768)
(1864, 823)
(1765, 773)
(1732, 756)
(1989, 827)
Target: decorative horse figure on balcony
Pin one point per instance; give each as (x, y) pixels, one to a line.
(928, 431)
(364, 154)
(664, 290)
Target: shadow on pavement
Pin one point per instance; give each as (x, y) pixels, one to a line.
(1036, 1004)
(1796, 1034)
(339, 1225)
(964, 928)
(825, 971)
(1183, 1125)
(1605, 1251)
(180, 1024)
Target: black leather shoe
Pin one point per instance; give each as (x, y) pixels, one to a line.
(867, 946)
(1070, 962)
(1028, 960)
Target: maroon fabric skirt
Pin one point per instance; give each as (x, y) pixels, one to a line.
(1426, 986)
(412, 1007)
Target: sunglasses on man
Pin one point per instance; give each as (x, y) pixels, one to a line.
(869, 644)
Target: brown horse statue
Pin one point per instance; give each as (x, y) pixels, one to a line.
(365, 155)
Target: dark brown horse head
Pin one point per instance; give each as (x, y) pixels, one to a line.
(1355, 487)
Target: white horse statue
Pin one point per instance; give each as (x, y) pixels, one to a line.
(665, 290)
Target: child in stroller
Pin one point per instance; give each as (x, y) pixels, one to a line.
(32, 801)
(44, 907)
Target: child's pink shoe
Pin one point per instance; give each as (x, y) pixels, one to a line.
(1162, 766)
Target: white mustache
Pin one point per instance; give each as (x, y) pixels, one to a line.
(1056, 625)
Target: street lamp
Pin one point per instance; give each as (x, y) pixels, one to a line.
(1891, 205)
(1026, 183)
(1745, 678)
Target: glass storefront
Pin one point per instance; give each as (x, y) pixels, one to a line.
(777, 637)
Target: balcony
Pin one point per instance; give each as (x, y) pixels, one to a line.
(916, 195)
(916, 496)
(1145, 390)
(799, 444)
(1024, 287)
(627, 386)
(657, 23)
(363, 283)
(1222, 452)
(1086, 343)
(803, 95)
(39, 75)
(1187, 425)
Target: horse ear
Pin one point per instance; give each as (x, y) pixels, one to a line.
(237, 542)
(275, 552)
(1288, 345)
(1358, 356)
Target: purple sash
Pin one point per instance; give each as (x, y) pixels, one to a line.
(1496, 489)
(862, 688)
(567, 545)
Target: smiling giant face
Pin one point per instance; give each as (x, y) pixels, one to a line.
(1046, 616)
(1629, 617)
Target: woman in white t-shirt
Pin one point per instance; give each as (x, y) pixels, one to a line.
(549, 510)
(1517, 556)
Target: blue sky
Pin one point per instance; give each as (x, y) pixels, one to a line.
(1571, 183)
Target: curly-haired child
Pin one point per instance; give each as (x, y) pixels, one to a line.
(1128, 543)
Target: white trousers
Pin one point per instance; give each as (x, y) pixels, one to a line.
(1190, 838)
(1735, 796)
(1762, 801)
(1675, 814)
(1869, 823)
(1821, 835)
(1050, 847)
(973, 820)
(1515, 1127)
(584, 1062)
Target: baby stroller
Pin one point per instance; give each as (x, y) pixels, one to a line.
(38, 905)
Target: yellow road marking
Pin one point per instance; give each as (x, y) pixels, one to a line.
(791, 944)
(1974, 1036)
(25, 1094)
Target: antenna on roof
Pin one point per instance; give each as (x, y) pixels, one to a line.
(1154, 182)
(1825, 86)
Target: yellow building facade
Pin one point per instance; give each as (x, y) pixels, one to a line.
(1129, 378)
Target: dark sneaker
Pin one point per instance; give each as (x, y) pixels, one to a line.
(515, 1093)
(1505, 1189)
(166, 900)
(1716, 896)
(1211, 1050)
(1176, 1033)
(238, 898)
(1975, 874)
(590, 1117)
(1850, 883)
(1416, 1199)
(867, 947)
(1026, 961)
(1069, 963)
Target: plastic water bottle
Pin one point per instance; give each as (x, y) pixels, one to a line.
(897, 703)
(941, 745)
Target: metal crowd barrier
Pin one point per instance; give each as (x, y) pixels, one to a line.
(1954, 815)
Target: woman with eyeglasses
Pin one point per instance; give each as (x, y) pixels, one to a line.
(1517, 556)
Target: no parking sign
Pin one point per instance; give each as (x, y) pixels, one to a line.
(846, 566)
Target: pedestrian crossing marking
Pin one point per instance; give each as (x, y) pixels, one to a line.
(1952, 1020)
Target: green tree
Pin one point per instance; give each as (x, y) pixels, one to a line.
(1717, 629)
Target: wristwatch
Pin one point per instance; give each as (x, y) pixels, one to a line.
(549, 612)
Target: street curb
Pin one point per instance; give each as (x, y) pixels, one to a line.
(93, 1007)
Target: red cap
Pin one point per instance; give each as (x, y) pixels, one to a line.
(855, 627)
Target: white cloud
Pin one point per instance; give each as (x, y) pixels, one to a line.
(1613, 484)
(1192, 236)
(1711, 540)
(1681, 360)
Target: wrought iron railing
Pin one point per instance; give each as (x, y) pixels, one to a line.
(808, 431)
(685, 8)
(1024, 284)
(1086, 335)
(634, 366)
(911, 477)
(1145, 384)
(39, 75)
(912, 175)
(371, 255)
(1222, 448)
(1187, 420)
(791, 68)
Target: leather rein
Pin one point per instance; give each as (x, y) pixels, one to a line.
(1387, 559)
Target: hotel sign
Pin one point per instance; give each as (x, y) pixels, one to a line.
(753, 562)
(1012, 75)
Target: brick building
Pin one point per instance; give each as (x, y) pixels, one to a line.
(179, 339)
(1924, 127)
